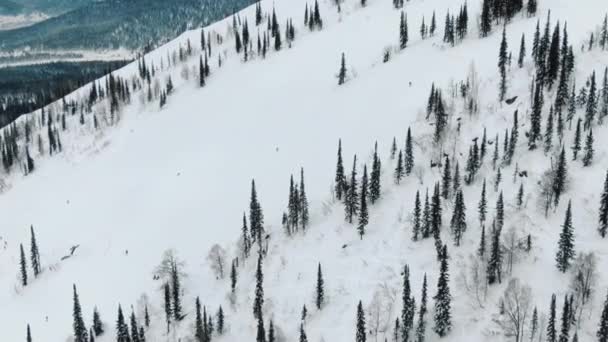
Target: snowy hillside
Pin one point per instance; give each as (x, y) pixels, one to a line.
(133, 179)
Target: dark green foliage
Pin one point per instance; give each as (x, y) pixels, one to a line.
(399, 169)
(403, 31)
(602, 331)
(363, 213)
(443, 298)
(342, 72)
(199, 332)
(409, 306)
(259, 292)
(80, 330)
(167, 303)
(409, 153)
(421, 327)
(374, 187)
(603, 212)
(340, 180)
(551, 329)
(23, 266)
(458, 223)
(256, 216)
(176, 292)
(98, 327)
(417, 225)
(494, 268)
(482, 207)
(360, 331)
(560, 177)
(591, 109)
(320, 289)
(588, 152)
(34, 253)
(522, 51)
(351, 200)
(502, 62)
(576, 146)
(565, 246)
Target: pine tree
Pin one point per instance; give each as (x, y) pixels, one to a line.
(458, 223)
(495, 155)
(588, 156)
(320, 293)
(374, 187)
(201, 73)
(603, 215)
(446, 179)
(483, 147)
(522, 51)
(146, 316)
(565, 328)
(220, 321)
(303, 205)
(502, 62)
(426, 217)
(486, 18)
(576, 146)
(456, 178)
(342, 72)
(559, 181)
(122, 331)
(97, 324)
(551, 330)
(261, 332)
(199, 333)
(351, 204)
(571, 107)
(417, 226)
(361, 332)
(399, 169)
(246, 238)
(167, 302)
(500, 211)
(520, 196)
(409, 306)
(435, 212)
(134, 330)
(481, 251)
(409, 152)
(23, 266)
(421, 328)
(363, 213)
(549, 131)
(394, 148)
(34, 253)
(176, 292)
(533, 324)
(271, 334)
(340, 180)
(256, 216)
(443, 298)
(403, 32)
(303, 337)
(494, 267)
(553, 58)
(591, 104)
(259, 292)
(602, 332)
(565, 252)
(80, 330)
(433, 25)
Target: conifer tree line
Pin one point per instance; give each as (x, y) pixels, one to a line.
(296, 217)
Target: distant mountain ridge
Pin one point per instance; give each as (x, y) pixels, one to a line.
(8, 7)
(49, 7)
(116, 24)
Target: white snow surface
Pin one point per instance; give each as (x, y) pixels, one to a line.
(180, 178)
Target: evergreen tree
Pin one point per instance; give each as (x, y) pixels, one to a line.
(421, 328)
(603, 216)
(409, 152)
(502, 62)
(533, 324)
(456, 178)
(409, 306)
(256, 216)
(531, 8)
(122, 330)
(520, 196)
(394, 148)
(361, 333)
(591, 104)
(486, 18)
(553, 58)
(363, 213)
(340, 181)
(588, 156)
(417, 227)
(167, 302)
(261, 332)
(176, 292)
(602, 332)
(522, 51)
(561, 174)
(80, 330)
(201, 73)
(271, 337)
(342, 72)
(443, 298)
(34, 253)
(458, 223)
(500, 211)
(551, 330)
(303, 205)
(565, 251)
(576, 146)
(220, 321)
(446, 179)
(246, 238)
(28, 336)
(565, 328)
(549, 131)
(97, 324)
(571, 107)
(303, 337)
(433, 25)
(134, 330)
(399, 169)
(403, 32)
(351, 204)
(23, 266)
(481, 251)
(199, 332)
(258, 302)
(426, 217)
(493, 271)
(435, 212)
(146, 316)
(483, 147)
(495, 155)
(320, 293)
(374, 186)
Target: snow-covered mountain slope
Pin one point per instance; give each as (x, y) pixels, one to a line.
(179, 177)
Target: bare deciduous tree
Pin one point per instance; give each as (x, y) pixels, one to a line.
(584, 277)
(517, 301)
(473, 278)
(217, 260)
(380, 309)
